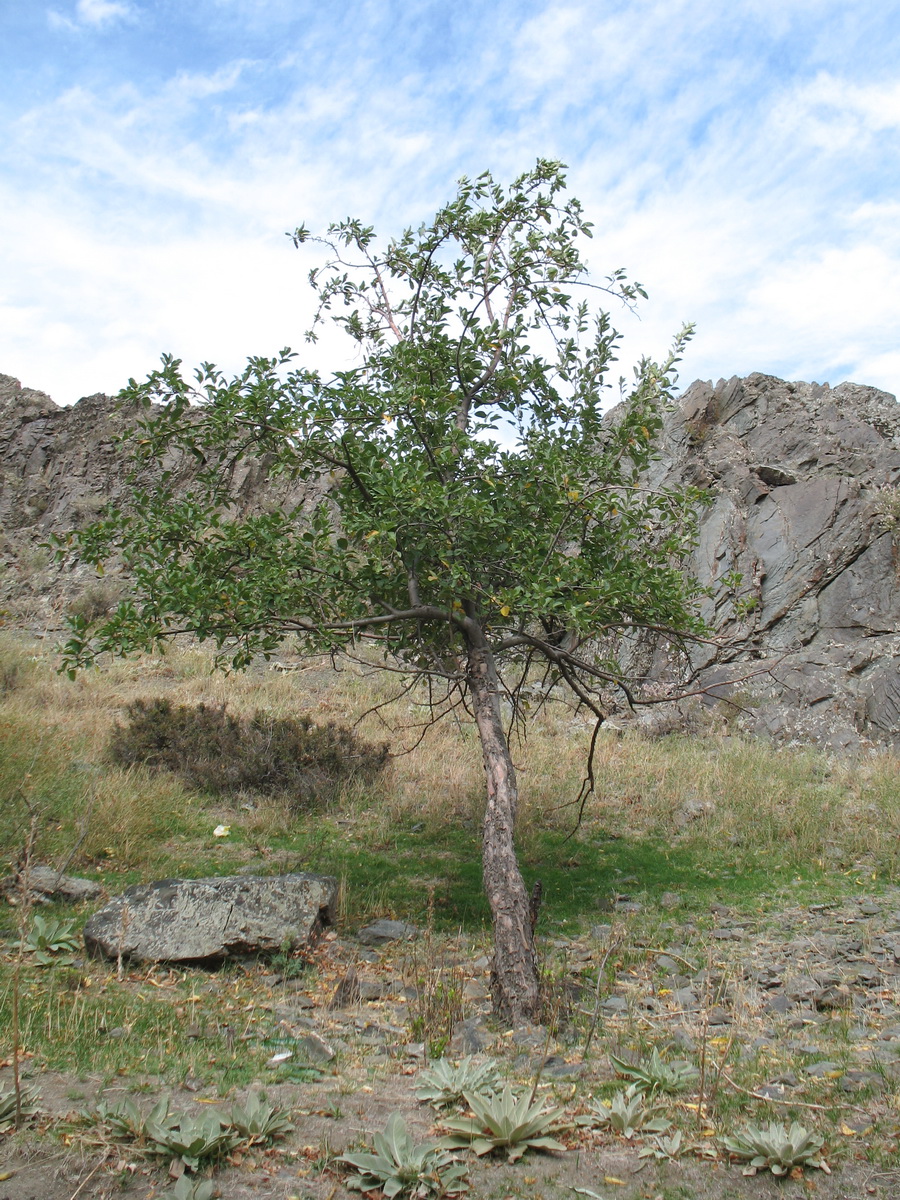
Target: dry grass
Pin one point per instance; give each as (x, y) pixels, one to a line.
(690, 791)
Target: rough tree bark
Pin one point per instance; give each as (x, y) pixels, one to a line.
(514, 977)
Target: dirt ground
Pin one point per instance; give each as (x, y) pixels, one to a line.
(784, 993)
(611, 1169)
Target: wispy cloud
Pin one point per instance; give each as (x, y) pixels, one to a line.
(739, 160)
(92, 14)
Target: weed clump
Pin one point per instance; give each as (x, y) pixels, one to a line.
(225, 754)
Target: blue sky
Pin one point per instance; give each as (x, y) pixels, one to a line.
(741, 160)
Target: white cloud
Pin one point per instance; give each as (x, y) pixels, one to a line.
(99, 12)
(746, 197)
(92, 13)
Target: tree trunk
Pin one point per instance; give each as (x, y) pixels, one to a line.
(514, 978)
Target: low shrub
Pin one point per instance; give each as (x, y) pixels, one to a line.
(226, 754)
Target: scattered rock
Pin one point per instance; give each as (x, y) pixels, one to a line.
(313, 1048)
(530, 1037)
(666, 963)
(833, 997)
(470, 1036)
(718, 1016)
(824, 1070)
(348, 991)
(210, 920)
(556, 1067)
(372, 989)
(803, 987)
(779, 1004)
(379, 933)
(46, 883)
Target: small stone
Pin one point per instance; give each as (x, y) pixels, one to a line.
(771, 1091)
(313, 1048)
(347, 992)
(119, 1032)
(415, 1050)
(683, 1041)
(807, 1048)
(787, 1079)
(801, 988)
(556, 1067)
(868, 976)
(47, 882)
(629, 906)
(379, 933)
(371, 989)
(614, 1004)
(855, 1081)
(824, 1070)
(685, 997)
(532, 1037)
(833, 997)
(482, 963)
(666, 963)
(469, 1037)
(779, 1004)
(601, 932)
(868, 909)
(718, 1016)
(769, 978)
(670, 900)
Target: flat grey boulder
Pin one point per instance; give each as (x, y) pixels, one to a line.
(47, 883)
(210, 920)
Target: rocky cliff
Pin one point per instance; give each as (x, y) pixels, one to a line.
(800, 549)
(798, 545)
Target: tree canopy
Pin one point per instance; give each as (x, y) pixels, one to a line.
(471, 511)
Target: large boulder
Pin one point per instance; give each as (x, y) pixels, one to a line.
(210, 920)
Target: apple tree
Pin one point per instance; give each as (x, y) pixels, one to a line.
(477, 516)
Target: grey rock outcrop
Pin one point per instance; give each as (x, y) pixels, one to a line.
(59, 467)
(210, 920)
(799, 549)
(800, 544)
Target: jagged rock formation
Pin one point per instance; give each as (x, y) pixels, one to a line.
(799, 549)
(798, 544)
(59, 467)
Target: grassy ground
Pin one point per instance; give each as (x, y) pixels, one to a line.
(708, 818)
(677, 822)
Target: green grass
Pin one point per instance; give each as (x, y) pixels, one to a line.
(787, 824)
(775, 829)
